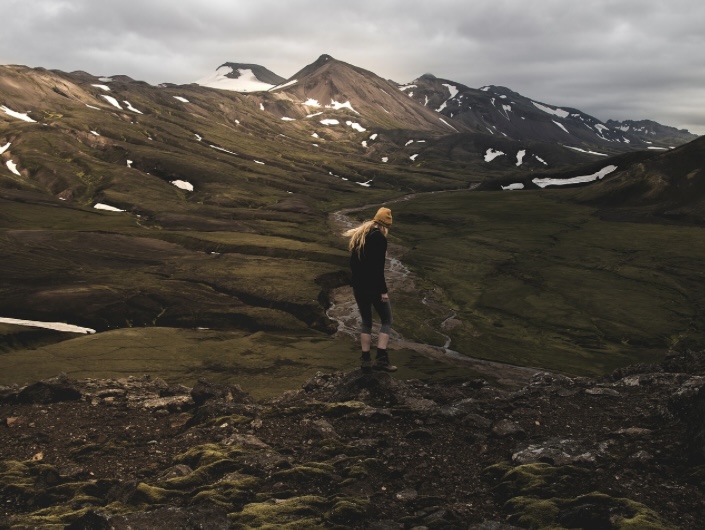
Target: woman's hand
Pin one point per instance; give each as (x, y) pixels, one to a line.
(385, 297)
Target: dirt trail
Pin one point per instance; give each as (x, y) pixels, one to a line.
(399, 278)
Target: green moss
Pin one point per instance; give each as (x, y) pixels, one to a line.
(203, 455)
(204, 474)
(541, 480)
(153, 495)
(348, 511)
(290, 514)
(229, 494)
(308, 471)
(595, 510)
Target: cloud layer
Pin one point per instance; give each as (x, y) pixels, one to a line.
(614, 59)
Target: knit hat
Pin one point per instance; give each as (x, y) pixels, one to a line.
(384, 217)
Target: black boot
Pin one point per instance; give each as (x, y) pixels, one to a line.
(366, 362)
(382, 362)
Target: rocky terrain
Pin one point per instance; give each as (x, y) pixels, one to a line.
(350, 450)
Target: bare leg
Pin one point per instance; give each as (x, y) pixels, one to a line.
(366, 341)
(383, 340)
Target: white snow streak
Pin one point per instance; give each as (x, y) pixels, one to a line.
(4, 148)
(515, 186)
(560, 125)
(18, 115)
(13, 168)
(112, 101)
(542, 183)
(106, 207)
(56, 326)
(183, 100)
(556, 112)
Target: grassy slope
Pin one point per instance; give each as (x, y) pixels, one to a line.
(539, 281)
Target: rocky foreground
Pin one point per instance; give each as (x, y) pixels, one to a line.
(350, 450)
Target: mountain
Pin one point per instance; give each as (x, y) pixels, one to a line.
(499, 111)
(241, 77)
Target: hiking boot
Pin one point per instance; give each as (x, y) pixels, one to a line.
(366, 364)
(384, 366)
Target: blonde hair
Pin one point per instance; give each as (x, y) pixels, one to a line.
(357, 235)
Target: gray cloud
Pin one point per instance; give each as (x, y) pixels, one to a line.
(619, 59)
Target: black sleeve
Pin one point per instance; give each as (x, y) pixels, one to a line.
(375, 255)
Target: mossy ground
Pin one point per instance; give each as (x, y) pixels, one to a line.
(540, 281)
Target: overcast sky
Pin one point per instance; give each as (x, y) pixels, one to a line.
(613, 59)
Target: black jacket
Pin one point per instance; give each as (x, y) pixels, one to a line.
(368, 268)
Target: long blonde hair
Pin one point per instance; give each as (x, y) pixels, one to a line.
(357, 235)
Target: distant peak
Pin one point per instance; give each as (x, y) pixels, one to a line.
(430, 77)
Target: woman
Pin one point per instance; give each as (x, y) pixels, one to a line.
(368, 249)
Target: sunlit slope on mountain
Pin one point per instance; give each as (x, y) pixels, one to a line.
(125, 143)
(375, 102)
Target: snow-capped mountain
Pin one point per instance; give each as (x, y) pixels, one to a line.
(240, 77)
(500, 111)
(442, 107)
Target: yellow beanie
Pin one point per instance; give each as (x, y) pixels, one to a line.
(384, 217)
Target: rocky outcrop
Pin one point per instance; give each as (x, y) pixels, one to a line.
(350, 450)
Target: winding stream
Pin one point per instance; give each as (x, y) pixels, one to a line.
(344, 311)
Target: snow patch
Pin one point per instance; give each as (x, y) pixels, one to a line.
(584, 151)
(13, 168)
(246, 82)
(182, 185)
(356, 126)
(130, 107)
(224, 150)
(542, 183)
(112, 101)
(413, 157)
(18, 115)
(5, 147)
(520, 157)
(289, 83)
(95, 133)
(556, 112)
(515, 186)
(183, 100)
(448, 124)
(284, 118)
(102, 87)
(312, 103)
(560, 125)
(106, 207)
(330, 121)
(336, 105)
(56, 326)
(491, 154)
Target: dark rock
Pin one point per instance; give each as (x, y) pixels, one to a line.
(506, 428)
(91, 520)
(45, 392)
(204, 391)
